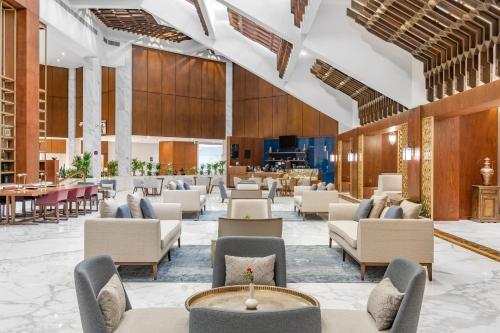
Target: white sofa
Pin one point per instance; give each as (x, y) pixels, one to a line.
(307, 201)
(192, 201)
(249, 209)
(390, 185)
(377, 241)
(135, 241)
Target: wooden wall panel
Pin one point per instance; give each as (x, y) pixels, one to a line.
(57, 101)
(178, 87)
(288, 115)
(79, 102)
(108, 106)
(181, 155)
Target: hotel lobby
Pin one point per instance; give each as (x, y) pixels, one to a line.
(207, 166)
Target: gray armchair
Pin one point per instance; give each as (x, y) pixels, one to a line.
(91, 275)
(409, 278)
(272, 190)
(210, 320)
(249, 247)
(223, 191)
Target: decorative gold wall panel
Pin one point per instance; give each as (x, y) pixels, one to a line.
(402, 164)
(360, 166)
(339, 166)
(427, 181)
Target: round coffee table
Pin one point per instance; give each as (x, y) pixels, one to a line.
(233, 298)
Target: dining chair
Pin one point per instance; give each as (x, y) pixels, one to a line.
(249, 247)
(272, 190)
(53, 199)
(223, 192)
(214, 182)
(91, 194)
(77, 196)
(138, 184)
(110, 187)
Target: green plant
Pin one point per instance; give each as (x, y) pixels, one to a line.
(63, 172)
(220, 167)
(157, 169)
(135, 165)
(169, 170)
(210, 167)
(82, 164)
(149, 168)
(142, 165)
(202, 169)
(112, 168)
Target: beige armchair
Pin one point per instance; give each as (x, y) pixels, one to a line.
(376, 242)
(248, 186)
(192, 201)
(390, 185)
(135, 241)
(307, 201)
(249, 209)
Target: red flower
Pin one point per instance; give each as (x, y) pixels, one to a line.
(249, 269)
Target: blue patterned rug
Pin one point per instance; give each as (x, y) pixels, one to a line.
(288, 216)
(305, 264)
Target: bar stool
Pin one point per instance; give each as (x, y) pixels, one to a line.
(91, 195)
(77, 196)
(53, 199)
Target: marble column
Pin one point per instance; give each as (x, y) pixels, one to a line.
(92, 112)
(229, 106)
(123, 118)
(70, 144)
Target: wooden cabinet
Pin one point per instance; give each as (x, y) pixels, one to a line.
(485, 203)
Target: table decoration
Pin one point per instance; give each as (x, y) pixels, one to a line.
(251, 303)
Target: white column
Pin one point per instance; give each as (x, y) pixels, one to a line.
(92, 112)
(70, 144)
(123, 116)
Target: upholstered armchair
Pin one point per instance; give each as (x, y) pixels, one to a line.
(409, 278)
(307, 201)
(249, 208)
(249, 247)
(192, 201)
(91, 275)
(390, 185)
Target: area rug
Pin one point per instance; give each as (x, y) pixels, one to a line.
(288, 216)
(305, 264)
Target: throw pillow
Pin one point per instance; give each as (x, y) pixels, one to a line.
(134, 204)
(172, 185)
(411, 210)
(108, 208)
(321, 187)
(180, 185)
(363, 211)
(314, 187)
(263, 270)
(378, 206)
(112, 302)
(187, 186)
(383, 304)
(123, 212)
(147, 209)
(330, 187)
(384, 211)
(394, 212)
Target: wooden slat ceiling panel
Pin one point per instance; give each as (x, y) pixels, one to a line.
(372, 105)
(281, 47)
(298, 9)
(196, 4)
(454, 39)
(139, 22)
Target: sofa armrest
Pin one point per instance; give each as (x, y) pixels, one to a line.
(341, 211)
(168, 211)
(297, 190)
(189, 199)
(125, 240)
(201, 188)
(382, 240)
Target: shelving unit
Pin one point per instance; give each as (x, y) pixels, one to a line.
(43, 108)
(7, 93)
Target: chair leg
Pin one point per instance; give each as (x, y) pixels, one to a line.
(429, 271)
(343, 253)
(330, 245)
(179, 242)
(362, 271)
(155, 271)
(168, 256)
(57, 212)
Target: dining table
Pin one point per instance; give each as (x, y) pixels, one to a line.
(34, 192)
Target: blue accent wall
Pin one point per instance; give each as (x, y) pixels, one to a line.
(317, 157)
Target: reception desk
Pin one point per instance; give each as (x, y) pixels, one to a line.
(241, 172)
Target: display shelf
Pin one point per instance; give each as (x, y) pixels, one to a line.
(286, 152)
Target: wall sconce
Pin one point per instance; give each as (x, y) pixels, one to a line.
(408, 152)
(333, 157)
(393, 138)
(103, 127)
(351, 156)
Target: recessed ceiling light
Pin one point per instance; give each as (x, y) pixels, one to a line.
(63, 54)
(303, 53)
(58, 60)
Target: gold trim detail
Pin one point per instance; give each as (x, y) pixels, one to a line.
(339, 165)
(403, 165)
(360, 165)
(427, 182)
(466, 244)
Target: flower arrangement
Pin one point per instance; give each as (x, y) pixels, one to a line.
(248, 274)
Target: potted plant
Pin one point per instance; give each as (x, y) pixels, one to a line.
(220, 167)
(210, 167)
(202, 169)
(82, 164)
(149, 168)
(135, 165)
(157, 169)
(142, 165)
(112, 168)
(169, 170)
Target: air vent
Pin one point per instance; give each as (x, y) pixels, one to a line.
(111, 42)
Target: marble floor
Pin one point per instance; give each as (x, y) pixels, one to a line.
(486, 234)
(37, 290)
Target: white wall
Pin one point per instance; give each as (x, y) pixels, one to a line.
(141, 151)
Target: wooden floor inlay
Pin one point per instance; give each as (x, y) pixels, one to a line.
(466, 244)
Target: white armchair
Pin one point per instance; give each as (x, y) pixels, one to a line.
(249, 209)
(135, 241)
(247, 186)
(307, 201)
(192, 201)
(390, 185)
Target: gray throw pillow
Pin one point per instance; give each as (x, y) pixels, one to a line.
(187, 186)
(394, 212)
(314, 187)
(263, 270)
(383, 304)
(123, 212)
(148, 212)
(180, 185)
(363, 211)
(112, 302)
